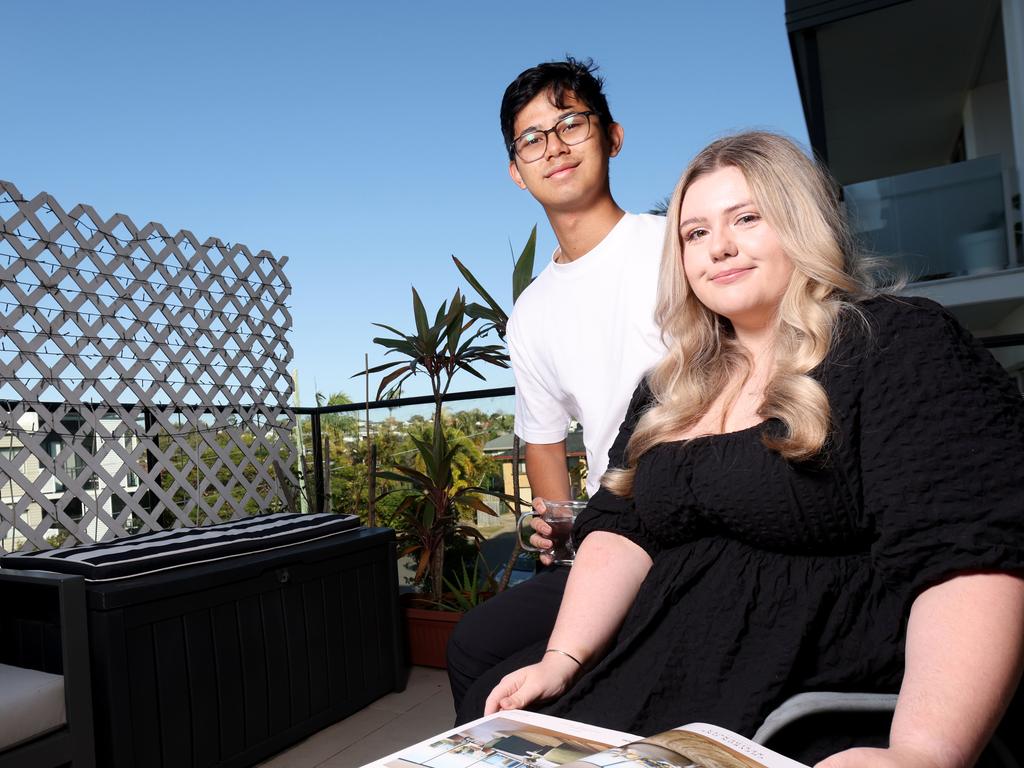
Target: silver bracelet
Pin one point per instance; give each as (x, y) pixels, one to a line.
(564, 653)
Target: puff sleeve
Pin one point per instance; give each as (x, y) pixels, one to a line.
(941, 450)
(617, 514)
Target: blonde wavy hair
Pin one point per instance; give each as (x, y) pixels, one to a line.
(799, 200)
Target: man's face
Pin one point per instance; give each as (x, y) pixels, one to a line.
(564, 177)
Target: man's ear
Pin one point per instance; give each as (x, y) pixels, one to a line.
(615, 135)
(513, 171)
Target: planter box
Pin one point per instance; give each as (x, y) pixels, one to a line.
(427, 632)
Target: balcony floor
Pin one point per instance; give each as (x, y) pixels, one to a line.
(390, 723)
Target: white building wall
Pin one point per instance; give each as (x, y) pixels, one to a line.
(987, 123)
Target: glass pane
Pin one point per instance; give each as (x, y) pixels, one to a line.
(937, 223)
(1012, 359)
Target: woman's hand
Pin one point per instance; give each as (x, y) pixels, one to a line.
(547, 679)
(602, 585)
(893, 757)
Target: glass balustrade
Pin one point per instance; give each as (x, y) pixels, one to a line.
(937, 223)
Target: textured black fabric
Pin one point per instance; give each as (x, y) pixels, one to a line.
(160, 550)
(772, 578)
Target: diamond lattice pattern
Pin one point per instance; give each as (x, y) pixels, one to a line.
(143, 376)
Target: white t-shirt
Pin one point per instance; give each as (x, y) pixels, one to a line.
(583, 335)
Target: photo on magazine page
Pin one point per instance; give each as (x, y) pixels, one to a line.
(497, 742)
(637, 755)
(694, 746)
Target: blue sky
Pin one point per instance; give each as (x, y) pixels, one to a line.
(361, 139)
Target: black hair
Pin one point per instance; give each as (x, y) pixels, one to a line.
(559, 77)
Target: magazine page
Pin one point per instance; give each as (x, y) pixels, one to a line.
(512, 739)
(697, 745)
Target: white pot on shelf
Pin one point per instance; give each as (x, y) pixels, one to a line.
(982, 251)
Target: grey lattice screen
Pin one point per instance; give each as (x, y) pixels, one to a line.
(143, 376)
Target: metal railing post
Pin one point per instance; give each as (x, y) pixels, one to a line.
(318, 464)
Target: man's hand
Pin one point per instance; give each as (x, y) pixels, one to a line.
(549, 479)
(540, 531)
(547, 679)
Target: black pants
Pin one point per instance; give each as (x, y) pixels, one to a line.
(519, 617)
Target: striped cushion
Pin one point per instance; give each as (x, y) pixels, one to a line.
(161, 550)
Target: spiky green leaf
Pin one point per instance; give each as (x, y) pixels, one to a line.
(522, 273)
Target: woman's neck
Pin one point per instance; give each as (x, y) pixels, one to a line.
(757, 341)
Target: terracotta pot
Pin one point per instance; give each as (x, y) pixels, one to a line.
(427, 631)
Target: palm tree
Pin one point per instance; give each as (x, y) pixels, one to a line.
(660, 208)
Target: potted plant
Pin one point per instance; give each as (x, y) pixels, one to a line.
(432, 499)
(495, 318)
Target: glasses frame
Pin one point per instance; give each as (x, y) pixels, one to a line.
(553, 129)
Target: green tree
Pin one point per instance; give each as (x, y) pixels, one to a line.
(342, 423)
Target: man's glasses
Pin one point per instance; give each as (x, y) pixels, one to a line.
(571, 129)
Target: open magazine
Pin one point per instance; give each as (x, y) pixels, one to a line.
(518, 739)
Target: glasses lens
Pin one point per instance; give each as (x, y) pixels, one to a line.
(574, 129)
(530, 146)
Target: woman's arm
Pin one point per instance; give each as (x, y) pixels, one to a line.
(965, 645)
(605, 578)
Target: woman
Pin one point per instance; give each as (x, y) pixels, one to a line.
(818, 489)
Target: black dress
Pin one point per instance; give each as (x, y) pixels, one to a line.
(772, 578)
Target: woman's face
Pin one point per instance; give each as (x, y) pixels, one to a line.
(732, 258)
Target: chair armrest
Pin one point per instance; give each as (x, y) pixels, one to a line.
(74, 644)
(817, 702)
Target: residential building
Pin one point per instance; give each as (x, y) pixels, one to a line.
(21, 468)
(500, 449)
(917, 107)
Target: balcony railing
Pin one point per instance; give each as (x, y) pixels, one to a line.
(346, 479)
(938, 223)
(341, 445)
(341, 479)
(1009, 351)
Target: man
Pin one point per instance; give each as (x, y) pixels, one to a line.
(580, 337)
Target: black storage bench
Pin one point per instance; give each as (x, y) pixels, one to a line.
(220, 646)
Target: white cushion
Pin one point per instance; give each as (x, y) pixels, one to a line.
(31, 703)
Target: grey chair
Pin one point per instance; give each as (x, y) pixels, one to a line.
(865, 718)
(816, 703)
(45, 686)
